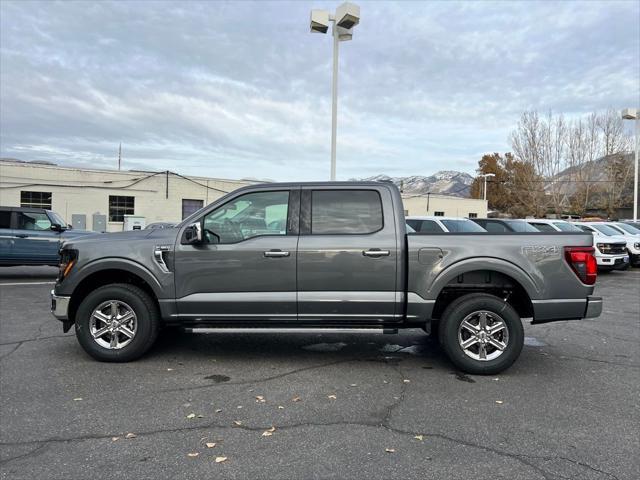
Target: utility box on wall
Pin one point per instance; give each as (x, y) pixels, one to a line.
(79, 221)
(133, 222)
(99, 222)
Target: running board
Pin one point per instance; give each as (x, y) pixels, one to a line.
(385, 331)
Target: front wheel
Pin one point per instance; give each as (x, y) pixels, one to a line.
(117, 323)
(481, 334)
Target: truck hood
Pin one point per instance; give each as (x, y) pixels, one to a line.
(167, 235)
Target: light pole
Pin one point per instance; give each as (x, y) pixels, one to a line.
(346, 17)
(485, 175)
(632, 114)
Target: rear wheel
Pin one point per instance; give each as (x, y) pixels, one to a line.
(117, 323)
(481, 334)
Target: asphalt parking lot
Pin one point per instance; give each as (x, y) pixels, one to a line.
(318, 405)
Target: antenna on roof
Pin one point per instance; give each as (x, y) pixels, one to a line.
(119, 156)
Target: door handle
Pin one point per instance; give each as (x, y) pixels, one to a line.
(375, 252)
(276, 253)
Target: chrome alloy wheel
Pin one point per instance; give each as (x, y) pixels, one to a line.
(483, 335)
(113, 324)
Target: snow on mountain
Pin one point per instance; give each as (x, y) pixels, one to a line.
(445, 182)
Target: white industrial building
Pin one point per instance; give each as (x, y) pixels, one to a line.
(95, 199)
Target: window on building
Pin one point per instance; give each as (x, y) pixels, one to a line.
(438, 214)
(355, 212)
(36, 199)
(119, 207)
(190, 206)
(473, 215)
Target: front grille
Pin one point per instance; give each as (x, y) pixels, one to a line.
(614, 248)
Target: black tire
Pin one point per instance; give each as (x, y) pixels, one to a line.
(458, 310)
(147, 319)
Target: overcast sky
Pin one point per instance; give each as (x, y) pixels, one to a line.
(243, 89)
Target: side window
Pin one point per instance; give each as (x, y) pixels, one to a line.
(35, 199)
(415, 224)
(543, 227)
(438, 214)
(495, 227)
(249, 215)
(473, 215)
(429, 226)
(355, 212)
(5, 218)
(33, 221)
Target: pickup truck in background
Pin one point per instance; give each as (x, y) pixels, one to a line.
(332, 254)
(33, 236)
(611, 248)
(632, 236)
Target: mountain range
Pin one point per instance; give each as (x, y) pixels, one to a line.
(445, 182)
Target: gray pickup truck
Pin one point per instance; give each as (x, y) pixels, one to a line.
(322, 255)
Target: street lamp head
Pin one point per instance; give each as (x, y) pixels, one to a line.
(344, 34)
(347, 15)
(319, 21)
(630, 114)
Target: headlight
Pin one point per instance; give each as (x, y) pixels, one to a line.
(67, 261)
(602, 246)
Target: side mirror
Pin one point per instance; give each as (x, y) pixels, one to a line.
(192, 234)
(56, 227)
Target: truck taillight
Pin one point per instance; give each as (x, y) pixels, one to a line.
(583, 263)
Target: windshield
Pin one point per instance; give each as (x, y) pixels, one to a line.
(55, 218)
(606, 229)
(628, 228)
(566, 227)
(521, 226)
(462, 226)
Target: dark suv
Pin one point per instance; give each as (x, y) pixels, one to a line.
(32, 236)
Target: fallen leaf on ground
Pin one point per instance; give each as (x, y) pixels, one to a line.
(354, 385)
(115, 439)
(267, 433)
(272, 429)
(191, 415)
(221, 459)
(194, 454)
(130, 435)
(384, 381)
(200, 416)
(77, 399)
(169, 369)
(390, 450)
(260, 399)
(218, 410)
(499, 402)
(210, 444)
(237, 422)
(296, 399)
(239, 406)
(419, 437)
(331, 397)
(280, 407)
(406, 380)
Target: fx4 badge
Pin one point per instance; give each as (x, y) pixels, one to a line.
(538, 253)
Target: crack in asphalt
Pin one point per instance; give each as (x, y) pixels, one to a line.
(524, 459)
(27, 340)
(17, 346)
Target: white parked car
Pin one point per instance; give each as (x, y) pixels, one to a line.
(611, 248)
(552, 225)
(632, 235)
(427, 224)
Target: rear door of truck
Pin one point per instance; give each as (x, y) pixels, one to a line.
(348, 255)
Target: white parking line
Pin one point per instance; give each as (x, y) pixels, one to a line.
(26, 283)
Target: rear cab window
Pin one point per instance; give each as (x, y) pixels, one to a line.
(346, 212)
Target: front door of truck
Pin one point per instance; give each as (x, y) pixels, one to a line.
(245, 267)
(34, 241)
(347, 256)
